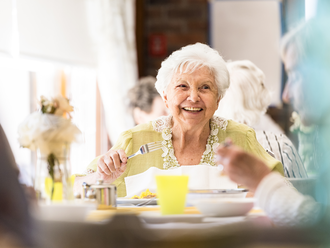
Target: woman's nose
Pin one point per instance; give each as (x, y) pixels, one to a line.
(286, 93)
(194, 95)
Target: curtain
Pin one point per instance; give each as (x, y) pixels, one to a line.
(112, 27)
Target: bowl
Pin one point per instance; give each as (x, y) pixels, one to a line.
(225, 207)
(214, 194)
(75, 212)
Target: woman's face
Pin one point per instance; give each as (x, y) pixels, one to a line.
(192, 98)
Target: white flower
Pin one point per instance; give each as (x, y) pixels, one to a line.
(48, 132)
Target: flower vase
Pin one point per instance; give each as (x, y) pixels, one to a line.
(53, 174)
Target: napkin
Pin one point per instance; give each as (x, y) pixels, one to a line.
(200, 177)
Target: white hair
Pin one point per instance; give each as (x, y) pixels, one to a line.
(247, 97)
(293, 38)
(187, 60)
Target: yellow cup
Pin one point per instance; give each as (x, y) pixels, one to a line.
(171, 192)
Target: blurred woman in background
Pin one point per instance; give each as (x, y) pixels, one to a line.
(145, 102)
(246, 101)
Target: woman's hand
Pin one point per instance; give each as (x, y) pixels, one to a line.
(111, 165)
(241, 167)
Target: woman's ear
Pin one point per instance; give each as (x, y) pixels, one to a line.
(165, 98)
(218, 101)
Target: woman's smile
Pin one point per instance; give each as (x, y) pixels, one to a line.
(192, 109)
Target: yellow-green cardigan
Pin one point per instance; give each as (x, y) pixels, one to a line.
(131, 140)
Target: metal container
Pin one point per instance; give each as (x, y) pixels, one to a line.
(105, 194)
(84, 190)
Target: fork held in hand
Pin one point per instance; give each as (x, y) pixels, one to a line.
(146, 148)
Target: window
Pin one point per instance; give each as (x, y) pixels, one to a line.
(23, 81)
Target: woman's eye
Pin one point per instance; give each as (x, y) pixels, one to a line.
(182, 86)
(206, 87)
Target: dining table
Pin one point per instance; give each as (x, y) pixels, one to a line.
(144, 226)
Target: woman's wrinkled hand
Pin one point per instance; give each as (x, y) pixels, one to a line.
(111, 165)
(240, 166)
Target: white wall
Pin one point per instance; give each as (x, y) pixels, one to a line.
(50, 29)
(250, 29)
(14, 106)
(5, 25)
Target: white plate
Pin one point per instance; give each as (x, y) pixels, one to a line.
(157, 218)
(63, 211)
(224, 207)
(194, 195)
(128, 201)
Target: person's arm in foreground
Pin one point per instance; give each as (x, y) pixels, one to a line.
(283, 204)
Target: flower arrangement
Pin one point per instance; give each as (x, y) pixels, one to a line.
(307, 138)
(298, 126)
(49, 130)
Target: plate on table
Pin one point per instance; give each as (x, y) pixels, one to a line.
(158, 218)
(129, 201)
(76, 212)
(224, 207)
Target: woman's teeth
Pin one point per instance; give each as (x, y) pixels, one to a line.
(193, 109)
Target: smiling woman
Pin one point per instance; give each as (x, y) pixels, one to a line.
(192, 82)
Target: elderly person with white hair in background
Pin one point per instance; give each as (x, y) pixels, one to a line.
(246, 101)
(191, 81)
(247, 98)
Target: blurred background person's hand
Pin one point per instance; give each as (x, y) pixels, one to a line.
(241, 167)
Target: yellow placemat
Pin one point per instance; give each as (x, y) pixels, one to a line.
(257, 211)
(100, 215)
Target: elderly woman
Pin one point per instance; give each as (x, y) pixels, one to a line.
(192, 82)
(246, 101)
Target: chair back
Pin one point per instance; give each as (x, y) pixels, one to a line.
(306, 186)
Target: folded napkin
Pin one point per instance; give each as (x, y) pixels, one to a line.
(200, 177)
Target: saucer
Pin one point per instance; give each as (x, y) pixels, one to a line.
(157, 218)
(224, 207)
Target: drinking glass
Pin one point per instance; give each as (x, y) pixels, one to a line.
(171, 192)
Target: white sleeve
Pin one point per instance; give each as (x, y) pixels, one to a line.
(283, 204)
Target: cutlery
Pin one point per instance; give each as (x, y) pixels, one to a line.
(146, 148)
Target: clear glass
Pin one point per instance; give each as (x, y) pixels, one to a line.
(61, 189)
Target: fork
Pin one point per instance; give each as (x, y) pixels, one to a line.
(146, 148)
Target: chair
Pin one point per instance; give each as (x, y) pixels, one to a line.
(306, 186)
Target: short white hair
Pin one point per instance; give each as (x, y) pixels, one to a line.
(247, 97)
(187, 60)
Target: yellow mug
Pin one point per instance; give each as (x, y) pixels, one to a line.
(171, 193)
